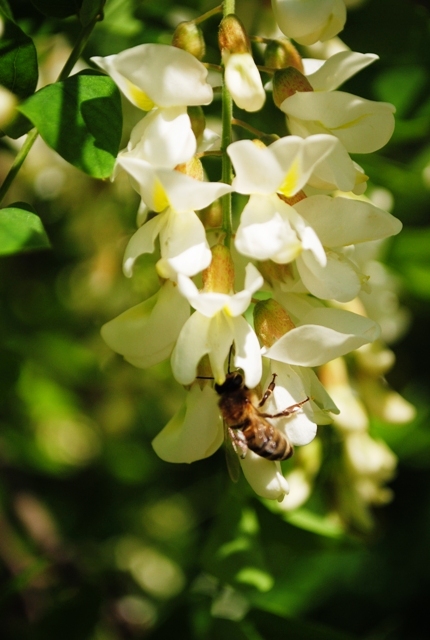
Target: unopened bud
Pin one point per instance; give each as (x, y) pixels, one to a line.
(286, 82)
(211, 216)
(273, 272)
(232, 37)
(219, 275)
(198, 121)
(271, 322)
(193, 168)
(280, 54)
(188, 36)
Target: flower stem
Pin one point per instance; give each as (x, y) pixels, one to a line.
(17, 163)
(32, 136)
(248, 127)
(208, 14)
(227, 172)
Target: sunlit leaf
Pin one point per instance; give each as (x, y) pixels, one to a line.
(81, 119)
(21, 230)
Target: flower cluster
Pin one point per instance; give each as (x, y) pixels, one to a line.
(264, 295)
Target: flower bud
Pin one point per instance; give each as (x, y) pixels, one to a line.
(271, 321)
(198, 121)
(188, 36)
(219, 275)
(211, 216)
(287, 82)
(281, 54)
(193, 168)
(273, 272)
(232, 37)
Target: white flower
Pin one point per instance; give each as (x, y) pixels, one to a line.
(183, 244)
(264, 476)
(215, 325)
(363, 126)
(307, 21)
(270, 228)
(146, 333)
(322, 334)
(243, 81)
(158, 75)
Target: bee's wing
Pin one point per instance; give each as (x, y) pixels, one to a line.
(231, 456)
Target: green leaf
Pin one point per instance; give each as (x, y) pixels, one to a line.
(19, 126)
(81, 119)
(55, 9)
(21, 230)
(18, 60)
(89, 10)
(5, 9)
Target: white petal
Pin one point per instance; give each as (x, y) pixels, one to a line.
(168, 75)
(146, 333)
(339, 68)
(220, 338)
(335, 171)
(343, 221)
(264, 476)
(257, 169)
(164, 138)
(185, 193)
(145, 181)
(308, 22)
(183, 245)
(363, 126)
(338, 280)
(195, 432)
(143, 241)
(308, 154)
(299, 428)
(324, 335)
(191, 346)
(247, 352)
(244, 82)
(264, 231)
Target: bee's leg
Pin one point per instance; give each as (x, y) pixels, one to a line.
(239, 441)
(286, 412)
(268, 391)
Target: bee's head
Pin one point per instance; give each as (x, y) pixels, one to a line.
(232, 383)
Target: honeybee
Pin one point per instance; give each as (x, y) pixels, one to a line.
(247, 425)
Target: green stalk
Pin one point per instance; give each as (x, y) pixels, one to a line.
(227, 173)
(32, 136)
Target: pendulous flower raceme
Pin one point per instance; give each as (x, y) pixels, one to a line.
(259, 295)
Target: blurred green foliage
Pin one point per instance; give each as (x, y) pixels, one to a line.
(101, 540)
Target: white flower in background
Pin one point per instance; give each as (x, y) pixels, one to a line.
(8, 102)
(211, 330)
(307, 21)
(243, 81)
(158, 75)
(183, 244)
(146, 333)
